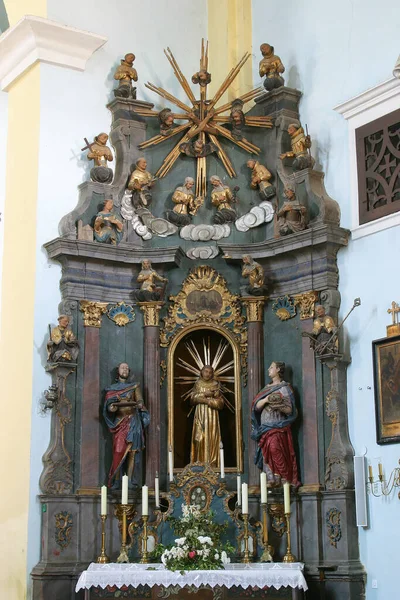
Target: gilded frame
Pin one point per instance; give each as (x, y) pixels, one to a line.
(230, 337)
(386, 361)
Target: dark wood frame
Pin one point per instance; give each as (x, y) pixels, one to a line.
(360, 134)
(393, 435)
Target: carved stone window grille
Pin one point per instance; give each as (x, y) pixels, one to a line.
(378, 167)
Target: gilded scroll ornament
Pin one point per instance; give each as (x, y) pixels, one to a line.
(151, 313)
(254, 309)
(284, 308)
(204, 298)
(277, 516)
(92, 312)
(163, 374)
(121, 314)
(306, 304)
(63, 529)
(333, 526)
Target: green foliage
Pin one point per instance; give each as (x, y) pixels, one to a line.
(199, 546)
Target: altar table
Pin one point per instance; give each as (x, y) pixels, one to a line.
(261, 575)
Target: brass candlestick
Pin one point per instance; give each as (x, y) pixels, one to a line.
(123, 554)
(246, 557)
(268, 549)
(289, 557)
(103, 558)
(145, 554)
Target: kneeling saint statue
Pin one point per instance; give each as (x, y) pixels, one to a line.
(272, 415)
(206, 435)
(127, 418)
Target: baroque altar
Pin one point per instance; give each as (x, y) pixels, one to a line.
(199, 267)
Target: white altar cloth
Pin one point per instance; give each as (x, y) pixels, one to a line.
(242, 575)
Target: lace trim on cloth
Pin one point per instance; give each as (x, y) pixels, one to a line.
(274, 575)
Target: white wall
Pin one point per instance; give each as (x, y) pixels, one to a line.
(333, 51)
(73, 107)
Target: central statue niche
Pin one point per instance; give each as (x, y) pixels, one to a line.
(204, 397)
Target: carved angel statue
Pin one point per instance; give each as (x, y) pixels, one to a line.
(125, 74)
(62, 345)
(101, 154)
(271, 67)
(301, 144)
(149, 292)
(140, 182)
(260, 179)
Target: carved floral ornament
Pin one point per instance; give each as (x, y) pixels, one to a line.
(92, 312)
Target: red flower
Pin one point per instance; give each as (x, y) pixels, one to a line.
(192, 554)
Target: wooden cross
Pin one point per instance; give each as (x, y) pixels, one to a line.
(394, 312)
(88, 145)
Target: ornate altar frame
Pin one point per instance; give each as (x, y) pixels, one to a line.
(228, 321)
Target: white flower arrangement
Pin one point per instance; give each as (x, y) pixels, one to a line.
(199, 546)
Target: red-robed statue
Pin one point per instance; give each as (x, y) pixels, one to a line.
(127, 418)
(273, 412)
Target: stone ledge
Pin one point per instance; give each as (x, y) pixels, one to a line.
(60, 248)
(315, 236)
(34, 39)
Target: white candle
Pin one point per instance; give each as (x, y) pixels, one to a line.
(222, 460)
(286, 497)
(124, 489)
(245, 499)
(170, 464)
(263, 487)
(157, 491)
(239, 489)
(145, 501)
(103, 500)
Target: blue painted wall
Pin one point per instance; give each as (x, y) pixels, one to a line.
(334, 51)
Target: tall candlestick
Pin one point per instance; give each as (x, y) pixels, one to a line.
(145, 501)
(263, 487)
(286, 497)
(245, 499)
(157, 490)
(124, 489)
(370, 474)
(103, 510)
(239, 489)
(170, 464)
(222, 460)
(380, 471)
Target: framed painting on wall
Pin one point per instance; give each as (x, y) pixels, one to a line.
(386, 359)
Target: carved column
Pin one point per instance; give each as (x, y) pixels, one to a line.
(255, 360)
(90, 428)
(56, 477)
(310, 477)
(151, 385)
(339, 474)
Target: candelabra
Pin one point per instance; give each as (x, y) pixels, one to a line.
(386, 488)
(289, 557)
(103, 558)
(123, 554)
(246, 556)
(145, 554)
(268, 549)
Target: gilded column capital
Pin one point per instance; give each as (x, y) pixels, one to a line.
(92, 312)
(254, 307)
(306, 303)
(151, 313)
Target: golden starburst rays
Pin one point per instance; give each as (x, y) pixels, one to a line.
(201, 357)
(205, 121)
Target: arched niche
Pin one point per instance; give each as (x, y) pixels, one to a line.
(180, 411)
